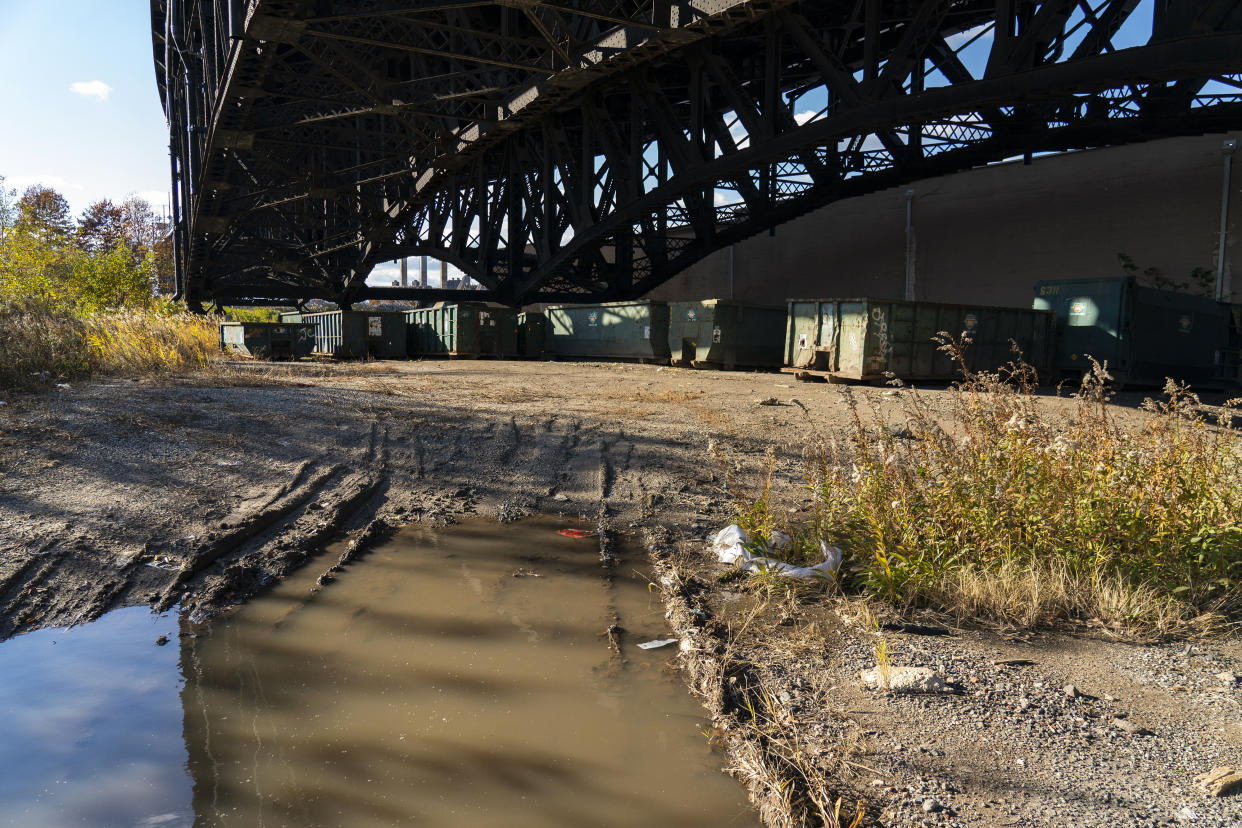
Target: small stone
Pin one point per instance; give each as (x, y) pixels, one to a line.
(1228, 677)
(1221, 781)
(930, 806)
(161, 641)
(1131, 728)
(905, 680)
(768, 401)
(1071, 691)
(560, 496)
(1186, 815)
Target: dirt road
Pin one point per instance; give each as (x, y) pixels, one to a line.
(205, 489)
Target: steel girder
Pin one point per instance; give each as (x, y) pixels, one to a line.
(586, 150)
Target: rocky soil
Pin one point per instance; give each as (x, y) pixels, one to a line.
(1065, 727)
(201, 491)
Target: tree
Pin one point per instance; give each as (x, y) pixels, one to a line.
(45, 213)
(107, 262)
(101, 227)
(8, 208)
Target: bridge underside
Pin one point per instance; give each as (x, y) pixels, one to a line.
(579, 150)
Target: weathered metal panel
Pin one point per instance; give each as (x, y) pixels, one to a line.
(290, 316)
(268, 340)
(1146, 335)
(868, 339)
(720, 333)
(359, 334)
(612, 330)
(468, 329)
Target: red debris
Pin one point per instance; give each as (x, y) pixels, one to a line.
(574, 533)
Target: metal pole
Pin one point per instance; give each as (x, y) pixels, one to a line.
(422, 271)
(405, 278)
(910, 245)
(1227, 149)
(237, 19)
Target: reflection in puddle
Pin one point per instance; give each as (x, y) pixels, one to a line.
(90, 726)
(455, 678)
(430, 685)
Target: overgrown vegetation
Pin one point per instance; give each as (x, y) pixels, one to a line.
(1002, 509)
(81, 297)
(42, 345)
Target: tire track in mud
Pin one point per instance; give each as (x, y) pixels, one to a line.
(530, 472)
(304, 516)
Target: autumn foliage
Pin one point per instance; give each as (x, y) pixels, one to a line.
(113, 256)
(81, 297)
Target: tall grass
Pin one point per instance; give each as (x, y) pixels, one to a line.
(1002, 509)
(41, 344)
(147, 342)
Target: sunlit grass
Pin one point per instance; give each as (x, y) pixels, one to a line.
(41, 345)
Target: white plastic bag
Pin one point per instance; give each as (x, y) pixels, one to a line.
(832, 557)
(826, 569)
(730, 548)
(779, 542)
(730, 544)
(731, 535)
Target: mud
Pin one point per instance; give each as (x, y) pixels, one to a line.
(208, 489)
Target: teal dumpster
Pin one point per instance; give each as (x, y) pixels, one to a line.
(635, 330)
(1145, 334)
(871, 339)
(462, 329)
(720, 333)
(359, 334)
(268, 340)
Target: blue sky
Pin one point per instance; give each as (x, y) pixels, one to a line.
(101, 141)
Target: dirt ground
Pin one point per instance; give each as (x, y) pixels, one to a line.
(200, 491)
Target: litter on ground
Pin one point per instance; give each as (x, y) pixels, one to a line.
(733, 545)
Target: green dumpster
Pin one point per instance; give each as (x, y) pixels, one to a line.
(462, 329)
(268, 340)
(359, 334)
(870, 339)
(719, 333)
(1145, 334)
(532, 334)
(612, 330)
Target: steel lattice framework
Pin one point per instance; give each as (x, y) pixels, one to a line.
(591, 149)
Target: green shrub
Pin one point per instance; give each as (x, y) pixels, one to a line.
(1001, 489)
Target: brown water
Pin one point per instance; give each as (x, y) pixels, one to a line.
(430, 686)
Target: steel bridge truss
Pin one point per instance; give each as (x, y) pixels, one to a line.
(581, 150)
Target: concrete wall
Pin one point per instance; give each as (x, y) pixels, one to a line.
(987, 235)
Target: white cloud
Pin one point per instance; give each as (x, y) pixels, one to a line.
(805, 116)
(56, 182)
(91, 89)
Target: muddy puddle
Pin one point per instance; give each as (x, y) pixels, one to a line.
(460, 677)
